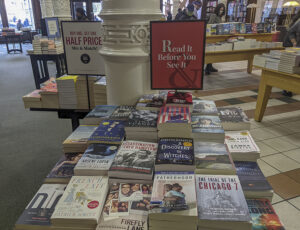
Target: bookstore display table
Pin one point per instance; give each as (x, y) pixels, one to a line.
(13, 39)
(263, 37)
(237, 55)
(72, 114)
(39, 63)
(272, 78)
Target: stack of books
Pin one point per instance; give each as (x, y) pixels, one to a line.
(241, 146)
(66, 86)
(234, 119)
(56, 48)
(100, 95)
(98, 114)
(142, 126)
(290, 62)
(36, 45)
(82, 92)
(49, 94)
(122, 112)
(33, 99)
(174, 121)
(151, 102)
(204, 107)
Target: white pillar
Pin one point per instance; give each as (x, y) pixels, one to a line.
(125, 49)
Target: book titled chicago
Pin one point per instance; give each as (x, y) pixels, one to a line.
(96, 160)
(175, 154)
(174, 115)
(221, 198)
(109, 131)
(263, 216)
(38, 212)
(122, 112)
(82, 202)
(134, 160)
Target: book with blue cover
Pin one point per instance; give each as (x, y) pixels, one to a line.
(108, 132)
(175, 154)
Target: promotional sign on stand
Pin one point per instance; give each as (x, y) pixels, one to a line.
(52, 27)
(177, 54)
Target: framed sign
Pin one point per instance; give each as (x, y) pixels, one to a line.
(82, 41)
(177, 54)
(52, 27)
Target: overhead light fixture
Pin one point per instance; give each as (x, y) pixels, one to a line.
(291, 4)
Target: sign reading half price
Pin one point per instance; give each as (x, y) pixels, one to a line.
(82, 41)
(177, 54)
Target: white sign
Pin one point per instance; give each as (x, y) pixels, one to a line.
(82, 41)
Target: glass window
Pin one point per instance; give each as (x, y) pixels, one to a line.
(97, 7)
(167, 6)
(1, 25)
(19, 13)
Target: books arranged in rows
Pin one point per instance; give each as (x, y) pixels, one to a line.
(100, 95)
(142, 126)
(204, 107)
(184, 99)
(233, 119)
(173, 201)
(241, 146)
(43, 45)
(98, 114)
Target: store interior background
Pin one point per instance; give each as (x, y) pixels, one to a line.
(31, 141)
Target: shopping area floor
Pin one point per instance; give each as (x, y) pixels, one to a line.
(31, 141)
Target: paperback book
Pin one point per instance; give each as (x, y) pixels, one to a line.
(99, 113)
(142, 119)
(180, 98)
(151, 102)
(122, 112)
(204, 107)
(131, 222)
(234, 119)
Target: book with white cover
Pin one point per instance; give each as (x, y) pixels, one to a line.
(131, 222)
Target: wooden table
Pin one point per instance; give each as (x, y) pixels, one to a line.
(272, 78)
(263, 37)
(237, 55)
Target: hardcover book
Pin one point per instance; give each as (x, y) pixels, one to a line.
(213, 158)
(221, 198)
(234, 119)
(63, 169)
(102, 111)
(204, 107)
(109, 132)
(263, 216)
(142, 119)
(38, 212)
(126, 199)
(175, 154)
(122, 112)
(134, 160)
(82, 202)
(174, 115)
(96, 160)
(179, 98)
(151, 102)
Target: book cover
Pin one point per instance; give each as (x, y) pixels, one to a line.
(238, 142)
(204, 107)
(221, 198)
(184, 98)
(41, 207)
(234, 115)
(125, 199)
(248, 27)
(173, 191)
(83, 199)
(97, 157)
(206, 124)
(263, 216)
(142, 119)
(122, 112)
(81, 134)
(175, 151)
(135, 157)
(109, 131)
(213, 29)
(174, 114)
(64, 168)
(210, 155)
(49, 86)
(33, 96)
(131, 222)
(251, 177)
(254, 28)
(102, 111)
(151, 100)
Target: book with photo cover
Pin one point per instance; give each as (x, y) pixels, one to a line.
(180, 98)
(63, 169)
(99, 113)
(206, 124)
(122, 112)
(175, 154)
(204, 107)
(151, 102)
(140, 119)
(134, 160)
(234, 119)
(174, 115)
(96, 160)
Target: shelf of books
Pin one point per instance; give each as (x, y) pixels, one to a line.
(172, 161)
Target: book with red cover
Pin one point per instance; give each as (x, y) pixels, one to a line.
(179, 98)
(174, 114)
(49, 87)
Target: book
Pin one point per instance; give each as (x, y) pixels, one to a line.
(179, 99)
(204, 107)
(151, 102)
(263, 215)
(108, 132)
(241, 146)
(99, 113)
(122, 112)
(39, 210)
(63, 169)
(221, 202)
(142, 119)
(33, 99)
(125, 199)
(82, 202)
(253, 181)
(207, 128)
(175, 154)
(96, 160)
(134, 160)
(213, 158)
(131, 222)
(173, 198)
(234, 119)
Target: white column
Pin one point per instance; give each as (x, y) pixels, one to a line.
(126, 34)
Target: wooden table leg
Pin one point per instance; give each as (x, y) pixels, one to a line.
(263, 97)
(250, 64)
